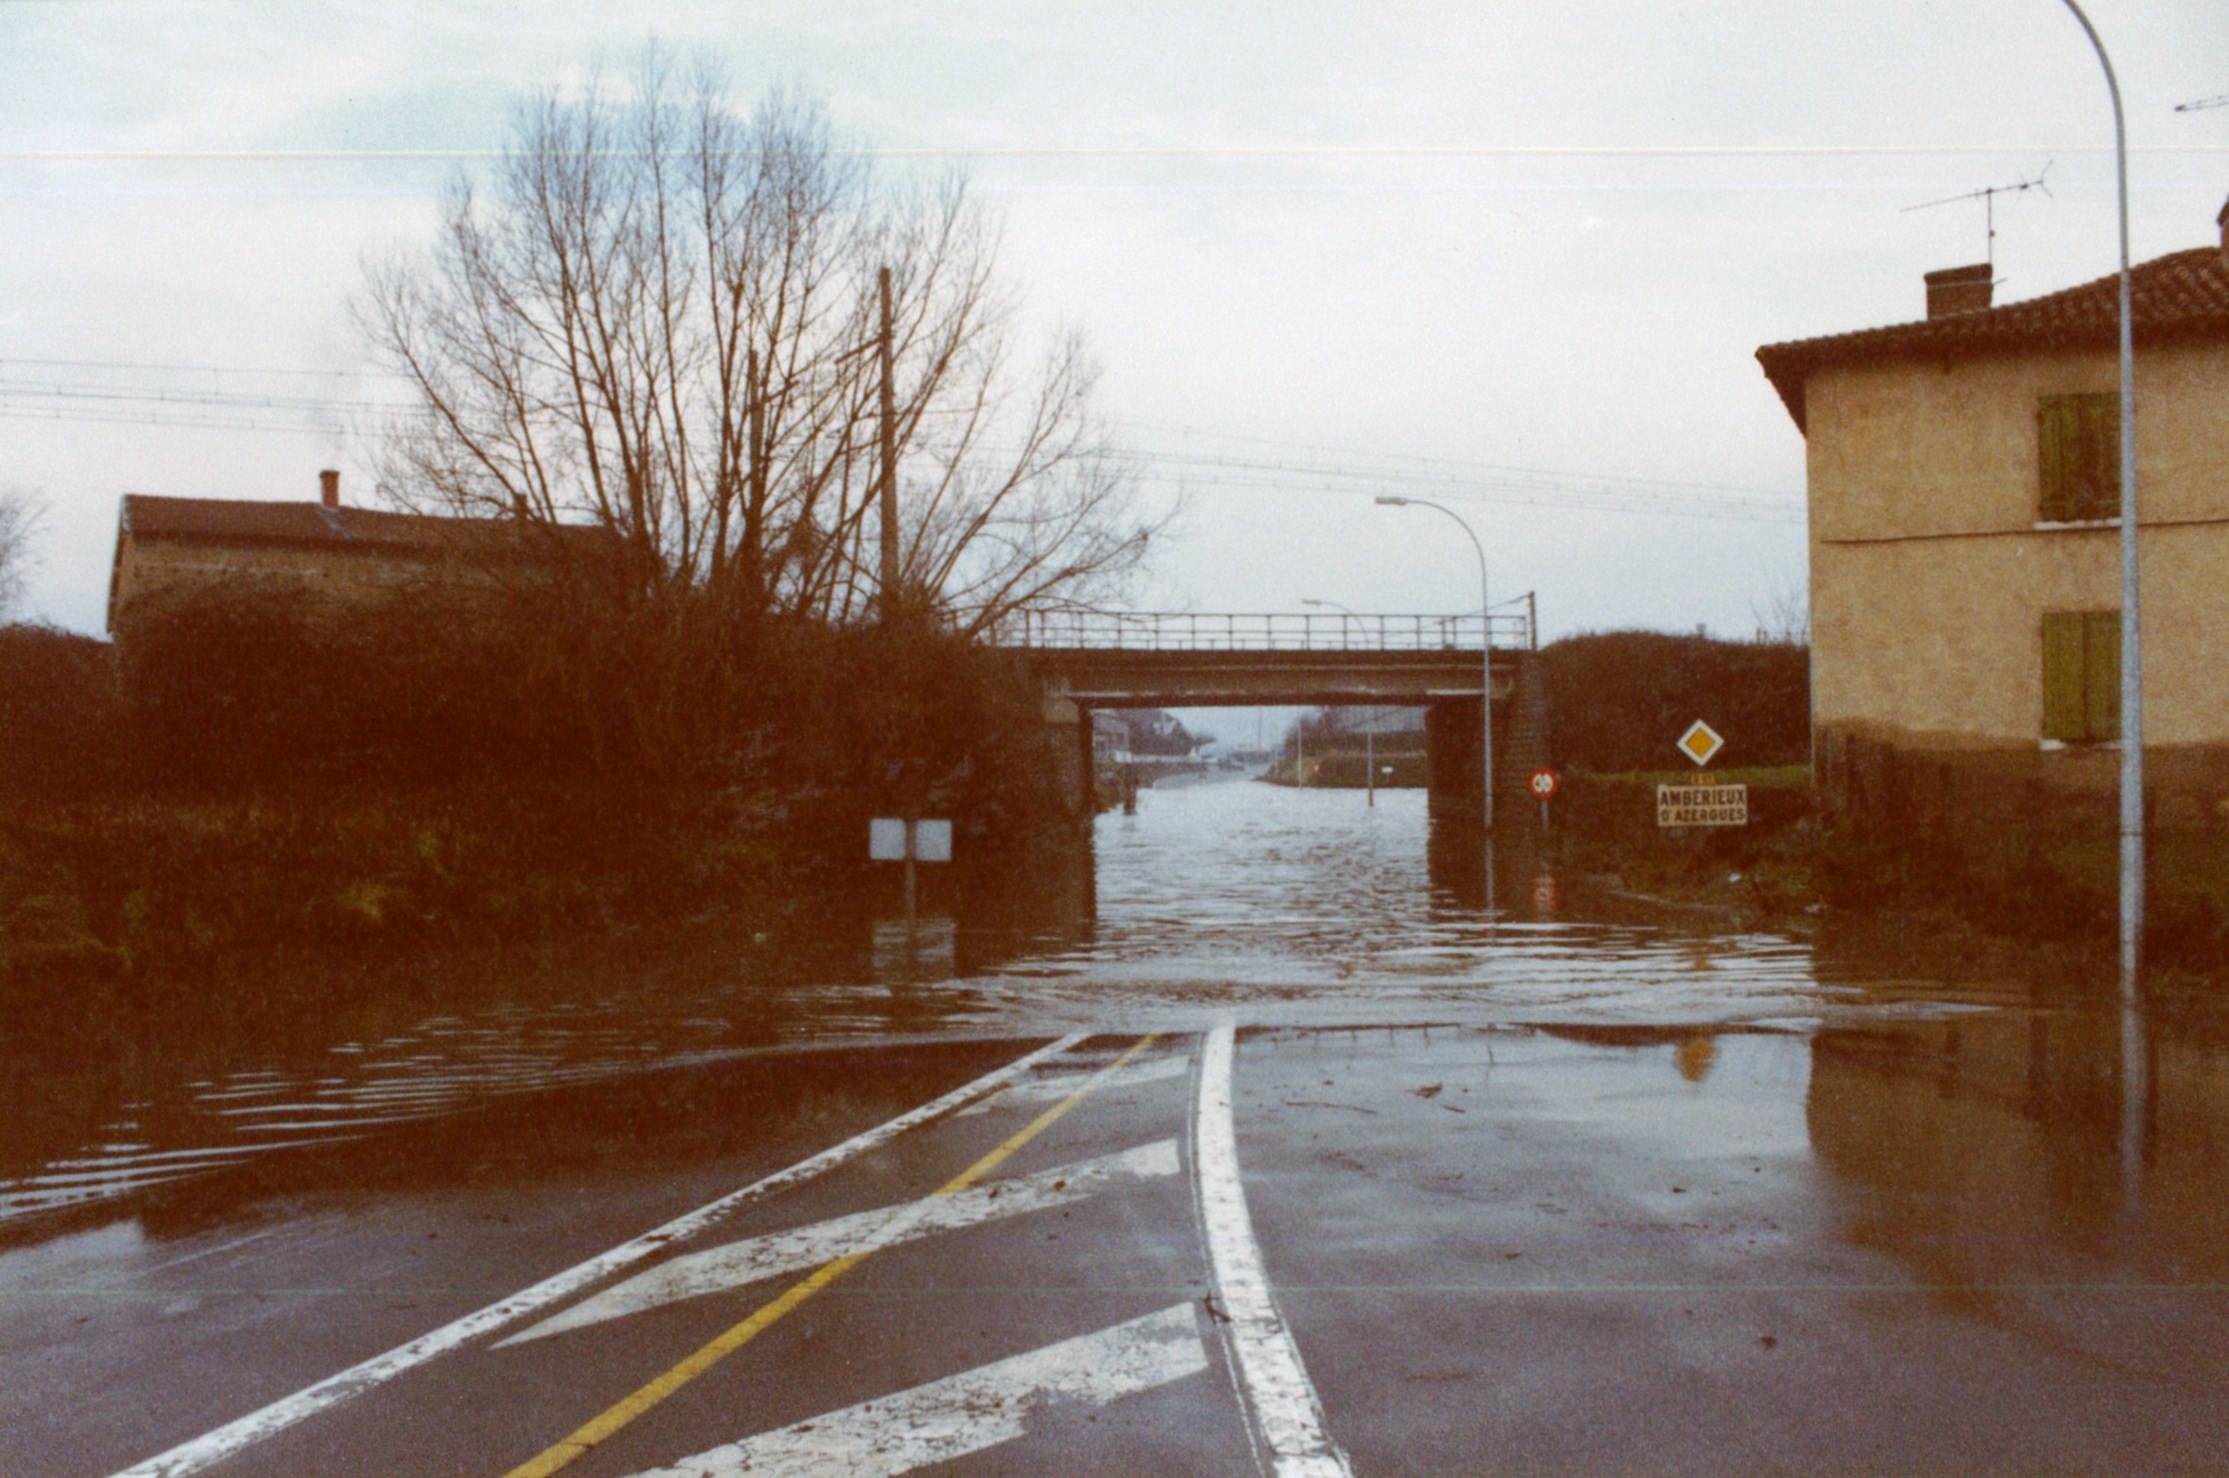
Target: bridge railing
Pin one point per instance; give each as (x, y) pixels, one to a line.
(1182, 631)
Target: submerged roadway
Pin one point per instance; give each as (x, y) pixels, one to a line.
(1295, 1250)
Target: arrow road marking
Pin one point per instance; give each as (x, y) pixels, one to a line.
(214, 1447)
(800, 1249)
(964, 1413)
(614, 1418)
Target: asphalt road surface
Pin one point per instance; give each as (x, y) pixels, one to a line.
(1294, 1250)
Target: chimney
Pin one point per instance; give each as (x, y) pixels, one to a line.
(329, 488)
(1959, 290)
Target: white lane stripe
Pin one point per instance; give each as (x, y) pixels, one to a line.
(964, 1413)
(1048, 1087)
(205, 1451)
(1285, 1412)
(800, 1249)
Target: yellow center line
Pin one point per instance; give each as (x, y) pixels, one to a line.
(604, 1424)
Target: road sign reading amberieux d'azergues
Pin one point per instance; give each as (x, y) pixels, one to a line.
(1702, 803)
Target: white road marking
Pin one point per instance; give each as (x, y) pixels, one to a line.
(1285, 1414)
(1046, 1087)
(800, 1249)
(205, 1451)
(964, 1413)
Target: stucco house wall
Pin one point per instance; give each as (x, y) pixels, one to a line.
(1933, 565)
(1931, 568)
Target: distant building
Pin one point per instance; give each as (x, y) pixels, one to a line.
(1110, 737)
(1964, 531)
(169, 545)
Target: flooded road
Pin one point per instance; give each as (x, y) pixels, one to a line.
(1293, 905)
(1527, 1188)
(1289, 906)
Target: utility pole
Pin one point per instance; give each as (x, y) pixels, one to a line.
(889, 469)
(754, 514)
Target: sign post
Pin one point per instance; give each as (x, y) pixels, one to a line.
(1544, 784)
(911, 841)
(1704, 802)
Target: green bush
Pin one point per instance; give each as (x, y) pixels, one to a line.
(60, 728)
(264, 770)
(1620, 700)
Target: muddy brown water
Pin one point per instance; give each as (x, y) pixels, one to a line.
(2002, 1086)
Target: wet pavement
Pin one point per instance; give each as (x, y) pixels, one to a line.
(1517, 1191)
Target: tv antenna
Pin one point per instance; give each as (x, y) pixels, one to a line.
(2203, 103)
(1988, 198)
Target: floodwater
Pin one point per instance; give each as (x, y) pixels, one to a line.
(1297, 909)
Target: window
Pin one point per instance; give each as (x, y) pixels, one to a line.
(2079, 439)
(2081, 675)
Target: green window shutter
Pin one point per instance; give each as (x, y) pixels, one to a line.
(2100, 486)
(2054, 436)
(2078, 444)
(2063, 641)
(2101, 674)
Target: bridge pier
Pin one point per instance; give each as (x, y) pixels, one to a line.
(1069, 758)
(1451, 732)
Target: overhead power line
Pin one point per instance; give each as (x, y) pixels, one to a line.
(203, 369)
(1283, 467)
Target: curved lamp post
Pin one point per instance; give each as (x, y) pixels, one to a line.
(2132, 650)
(2135, 1070)
(1486, 643)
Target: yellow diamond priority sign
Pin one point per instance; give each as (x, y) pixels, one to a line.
(1700, 742)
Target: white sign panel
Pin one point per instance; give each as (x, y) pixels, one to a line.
(1702, 805)
(886, 840)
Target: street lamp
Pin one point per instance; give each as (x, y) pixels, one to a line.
(1369, 735)
(2132, 652)
(1486, 659)
(2134, 1068)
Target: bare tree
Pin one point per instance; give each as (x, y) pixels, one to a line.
(661, 317)
(20, 514)
(1785, 617)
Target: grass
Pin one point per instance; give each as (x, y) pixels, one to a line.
(1764, 777)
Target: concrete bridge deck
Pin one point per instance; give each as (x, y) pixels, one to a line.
(1087, 660)
(1177, 660)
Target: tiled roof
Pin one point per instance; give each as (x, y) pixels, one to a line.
(241, 520)
(2178, 297)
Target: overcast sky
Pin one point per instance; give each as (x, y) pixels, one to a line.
(1538, 243)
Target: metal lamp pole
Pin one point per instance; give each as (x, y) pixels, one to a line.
(2132, 651)
(1369, 735)
(2135, 1070)
(1486, 643)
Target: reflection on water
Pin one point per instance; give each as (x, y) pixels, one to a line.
(135, 1130)
(1308, 906)
(1288, 907)
(1992, 1156)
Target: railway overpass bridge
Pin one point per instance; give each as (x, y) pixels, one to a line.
(1087, 660)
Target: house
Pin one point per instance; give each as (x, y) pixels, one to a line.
(168, 545)
(1964, 538)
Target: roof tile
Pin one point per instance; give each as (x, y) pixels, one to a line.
(2181, 296)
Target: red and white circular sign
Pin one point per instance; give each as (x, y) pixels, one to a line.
(1544, 783)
